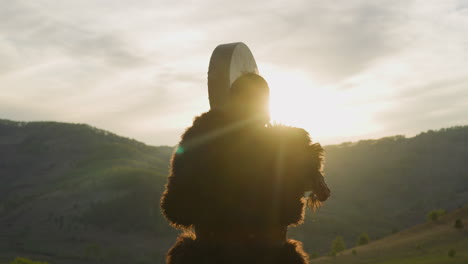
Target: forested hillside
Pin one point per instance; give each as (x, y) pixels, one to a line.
(381, 186)
(76, 194)
(68, 188)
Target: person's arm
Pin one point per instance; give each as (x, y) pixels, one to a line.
(302, 163)
(183, 198)
(315, 182)
(310, 160)
(177, 202)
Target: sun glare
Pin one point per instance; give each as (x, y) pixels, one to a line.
(328, 114)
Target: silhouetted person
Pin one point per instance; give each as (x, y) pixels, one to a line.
(238, 182)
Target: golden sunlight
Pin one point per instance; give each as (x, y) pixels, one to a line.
(325, 112)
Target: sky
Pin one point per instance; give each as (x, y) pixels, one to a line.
(343, 70)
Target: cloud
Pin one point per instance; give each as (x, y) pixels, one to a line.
(139, 68)
(337, 41)
(40, 35)
(442, 104)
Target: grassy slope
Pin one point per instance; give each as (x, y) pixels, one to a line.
(426, 243)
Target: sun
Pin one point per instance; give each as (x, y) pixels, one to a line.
(327, 113)
(294, 98)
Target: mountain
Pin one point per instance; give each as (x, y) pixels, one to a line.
(381, 186)
(68, 188)
(425, 243)
(71, 193)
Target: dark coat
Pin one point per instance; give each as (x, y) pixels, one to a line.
(187, 250)
(230, 174)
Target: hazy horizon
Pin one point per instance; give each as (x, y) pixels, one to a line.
(323, 144)
(358, 70)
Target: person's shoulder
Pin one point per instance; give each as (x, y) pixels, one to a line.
(289, 133)
(210, 117)
(296, 140)
(203, 123)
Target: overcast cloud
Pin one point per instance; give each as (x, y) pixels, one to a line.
(138, 68)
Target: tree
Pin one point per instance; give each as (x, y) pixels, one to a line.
(363, 239)
(435, 214)
(338, 245)
(458, 224)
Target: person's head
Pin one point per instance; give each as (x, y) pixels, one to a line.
(249, 97)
